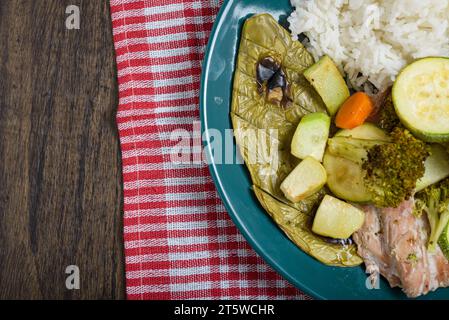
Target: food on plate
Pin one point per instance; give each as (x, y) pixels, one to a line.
(393, 243)
(337, 219)
(327, 80)
(311, 136)
(367, 131)
(434, 201)
(392, 169)
(272, 81)
(350, 176)
(345, 179)
(436, 167)
(387, 119)
(352, 149)
(421, 98)
(296, 225)
(372, 40)
(443, 242)
(269, 127)
(354, 111)
(306, 179)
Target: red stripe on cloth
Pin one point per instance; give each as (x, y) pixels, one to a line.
(179, 241)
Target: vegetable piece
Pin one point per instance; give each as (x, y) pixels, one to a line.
(296, 224)
(345, 179)
(337, 219)
(421, 98)
(305, 180)
(392, 169)
(367, 131)
(311, 136)
(443, 242)
(434, 201)
(354, 111)
(436, 167)
(388, 119)
(327, 80)
(352, 149)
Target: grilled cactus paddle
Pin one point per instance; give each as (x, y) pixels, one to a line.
(264, 131)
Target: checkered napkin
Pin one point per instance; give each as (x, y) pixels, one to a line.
(179, 241)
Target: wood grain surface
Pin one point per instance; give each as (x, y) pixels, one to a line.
(60, 174)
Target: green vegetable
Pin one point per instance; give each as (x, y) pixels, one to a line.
(264, 131)
(345, 179)
(388, 119)
(421, 98)
(311, 136)
(436, 167)
(434, 201)
(337, 219)
(443, 242)
(366, 131)
(296, 226)
(306, 179)
(392, 169)
(352, 149)
(327, 80)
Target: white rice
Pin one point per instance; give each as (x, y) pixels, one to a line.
(373, 38)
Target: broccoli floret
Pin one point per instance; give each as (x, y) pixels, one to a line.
(434, 201)
(388, 119)
(392, 169)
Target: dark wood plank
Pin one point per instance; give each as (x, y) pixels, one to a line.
(60, 174)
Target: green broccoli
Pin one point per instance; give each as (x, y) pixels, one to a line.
(388, 119)
(392, 169)
(434, 201)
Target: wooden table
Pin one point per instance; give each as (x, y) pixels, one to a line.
(60, 174)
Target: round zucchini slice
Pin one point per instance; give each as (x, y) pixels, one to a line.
(421, 98)
(345, 179)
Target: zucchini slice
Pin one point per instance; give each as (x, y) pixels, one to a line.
(345, 179)
(421, 98)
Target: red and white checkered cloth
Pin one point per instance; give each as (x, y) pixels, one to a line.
(179, 241)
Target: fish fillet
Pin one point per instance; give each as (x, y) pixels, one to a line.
(393, 243)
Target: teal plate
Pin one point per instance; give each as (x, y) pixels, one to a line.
(233, 181)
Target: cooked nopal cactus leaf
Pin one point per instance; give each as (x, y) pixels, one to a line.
(264, 130)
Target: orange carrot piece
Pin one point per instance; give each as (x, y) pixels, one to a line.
(354, 111)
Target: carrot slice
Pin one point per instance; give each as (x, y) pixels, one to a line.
(354, 111)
